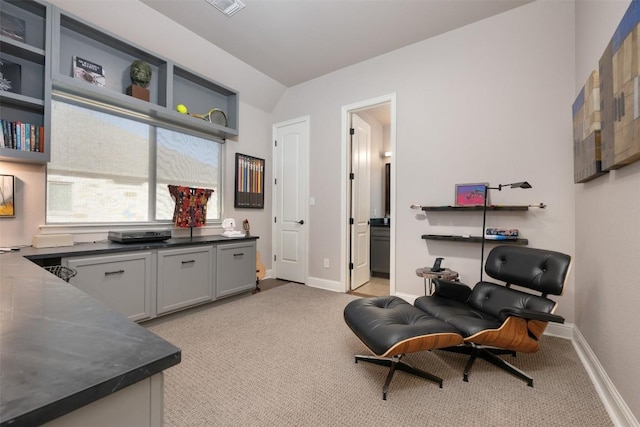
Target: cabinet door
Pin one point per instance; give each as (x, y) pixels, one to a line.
(185, 277)
(123, 282)
(380, 250)
(236, 268)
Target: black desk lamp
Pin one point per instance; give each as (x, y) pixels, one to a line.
(523, 184)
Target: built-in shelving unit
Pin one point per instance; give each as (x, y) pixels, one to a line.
(475, 239)
(171, 84)
(27, 100)
(45, 54)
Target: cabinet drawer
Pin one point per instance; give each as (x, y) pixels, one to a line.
(123, 282)
(380, 232)
(236, 268)
(185, 277)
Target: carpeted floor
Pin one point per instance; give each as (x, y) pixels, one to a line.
(285, 358)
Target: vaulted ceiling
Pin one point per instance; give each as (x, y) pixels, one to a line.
(293, 41)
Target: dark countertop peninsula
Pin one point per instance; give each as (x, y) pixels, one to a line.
(61, 349)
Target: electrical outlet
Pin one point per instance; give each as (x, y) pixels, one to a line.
(326, 263)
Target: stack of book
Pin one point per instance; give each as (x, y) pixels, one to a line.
(22, 136)
(502, 234)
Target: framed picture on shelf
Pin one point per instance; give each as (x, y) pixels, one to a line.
(249, 182)
(7, 201)
(88, 71)
(471, 194)
(12, 27)
(10, 76)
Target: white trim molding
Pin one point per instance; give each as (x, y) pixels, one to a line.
(614, 403)
(328, 285)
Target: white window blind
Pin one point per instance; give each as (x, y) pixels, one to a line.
(109, 169)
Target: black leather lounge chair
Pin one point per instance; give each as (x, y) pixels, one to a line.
(498, 319)
(487, 320)
(390, 327)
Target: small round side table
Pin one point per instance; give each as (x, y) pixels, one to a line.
(427, 274)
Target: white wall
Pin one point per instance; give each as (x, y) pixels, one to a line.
(488, 102)
(141, 25)
(607, 270)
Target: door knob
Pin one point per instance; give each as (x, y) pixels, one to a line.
(301, 222)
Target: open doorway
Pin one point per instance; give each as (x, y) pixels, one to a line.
(368, 199)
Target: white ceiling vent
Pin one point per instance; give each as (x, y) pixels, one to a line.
(228, 7)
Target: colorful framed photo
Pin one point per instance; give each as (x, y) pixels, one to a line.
(249, 191)
(471, 194)
(7, 201)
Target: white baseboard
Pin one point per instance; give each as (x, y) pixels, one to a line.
(614, 403)
(329, 285)
(560, 330)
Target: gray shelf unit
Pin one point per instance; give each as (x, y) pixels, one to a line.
(170, 85)
(53, 37)
(475, 208)
(29, 104)
(474, 239)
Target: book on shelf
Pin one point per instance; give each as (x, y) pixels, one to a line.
(88, 71)
(6, 135)
(41, 138)
(497, 237)
(502, 234)
(18, 134)
(32, 133)
(21, 136)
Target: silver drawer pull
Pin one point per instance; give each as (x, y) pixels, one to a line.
(191, 261)
(110, 273)
(240, 254)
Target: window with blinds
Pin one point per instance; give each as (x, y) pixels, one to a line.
(107, 168)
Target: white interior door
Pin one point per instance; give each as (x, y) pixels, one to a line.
(290, 199)
(360, 200)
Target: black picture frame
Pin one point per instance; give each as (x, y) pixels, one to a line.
(7, 196)
(11, 72)
(249, 182)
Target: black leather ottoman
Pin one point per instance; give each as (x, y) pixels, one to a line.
(390, 327)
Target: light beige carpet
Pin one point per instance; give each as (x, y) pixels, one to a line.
(285, 358)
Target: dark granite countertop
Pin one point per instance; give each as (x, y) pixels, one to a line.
(60, 349)
(379, 222)
(105, 247)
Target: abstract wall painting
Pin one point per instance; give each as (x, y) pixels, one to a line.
(587, 154)
(619, 70)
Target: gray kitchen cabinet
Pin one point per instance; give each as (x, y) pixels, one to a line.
(123, 282)
(185, 277)
(236, 268)
(380, 251)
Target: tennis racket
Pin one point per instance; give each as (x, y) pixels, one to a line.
(215, 115)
